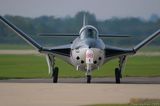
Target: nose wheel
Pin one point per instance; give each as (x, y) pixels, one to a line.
(55, 75)
(89, 78)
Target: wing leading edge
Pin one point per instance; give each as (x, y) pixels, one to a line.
(116, 52)
(60, 50)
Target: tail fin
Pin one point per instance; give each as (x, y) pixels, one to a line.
(147, 40)
(21, 34)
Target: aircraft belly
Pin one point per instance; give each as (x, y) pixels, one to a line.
(79, 59)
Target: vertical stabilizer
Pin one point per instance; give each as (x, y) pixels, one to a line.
(84, 19)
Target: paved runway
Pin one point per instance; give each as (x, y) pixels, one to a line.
(44, 94)
(126, 80)
(74, 91)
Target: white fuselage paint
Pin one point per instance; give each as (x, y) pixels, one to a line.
(80, 59)
(87, 51)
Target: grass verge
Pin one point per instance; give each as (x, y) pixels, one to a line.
(33, 66)
(135, 102)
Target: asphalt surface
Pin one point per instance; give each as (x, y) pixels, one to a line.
(75, 92)
(45, 94)
(126, 80)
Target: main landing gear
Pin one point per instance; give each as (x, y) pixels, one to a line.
(118, 75)
(55, 74)
(52, 69)
(118, 71)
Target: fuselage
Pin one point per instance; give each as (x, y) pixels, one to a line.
(87, 50)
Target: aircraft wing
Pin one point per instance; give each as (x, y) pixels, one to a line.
(59, 50)
(63, 50)
(111, 52)
(114, 51)
(23, 35)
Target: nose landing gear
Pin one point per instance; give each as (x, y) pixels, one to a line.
(89, 78)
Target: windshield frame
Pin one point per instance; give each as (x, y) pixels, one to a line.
(89, 32)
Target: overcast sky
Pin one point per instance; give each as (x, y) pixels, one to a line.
(103, 9)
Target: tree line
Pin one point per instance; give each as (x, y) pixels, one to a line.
(137, 27)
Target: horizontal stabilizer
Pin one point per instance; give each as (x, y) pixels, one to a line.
(112, 35)
(75, 35)
(58, 35)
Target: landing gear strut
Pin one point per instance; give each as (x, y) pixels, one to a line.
(55, 75)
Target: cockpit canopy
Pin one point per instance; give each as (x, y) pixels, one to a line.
(88, 32)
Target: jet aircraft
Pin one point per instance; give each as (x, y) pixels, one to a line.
(86, 53)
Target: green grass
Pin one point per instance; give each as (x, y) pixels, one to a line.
(23, 66)
(134, 102)
(33, 66)
(151, 104)
(14, 47)
(143, 66)
(137, 66)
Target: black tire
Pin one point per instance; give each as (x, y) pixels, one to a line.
(117, 75)
(55, 75)
(88, 78)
